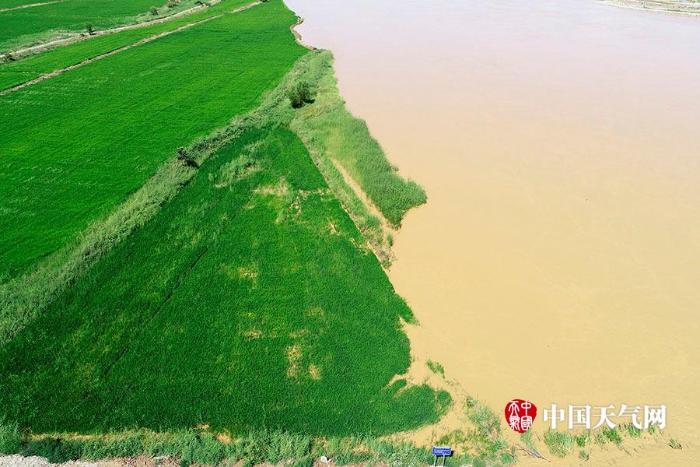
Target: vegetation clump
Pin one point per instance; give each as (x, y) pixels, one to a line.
(482, 441)
(204, 447)
(559, 443)
(300, 94)
(186, 159)
(436, 368)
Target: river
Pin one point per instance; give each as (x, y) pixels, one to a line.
(558, 256)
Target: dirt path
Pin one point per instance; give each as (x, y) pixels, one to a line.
(145, 40)
(360, 193)
(297, 36)
(31, 5)
(77, 36)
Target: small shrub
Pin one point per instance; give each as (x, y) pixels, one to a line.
(10, 439)
(186, 159)
(559, 444)
(90, 29)
(487, 423)
(300, 94)
(633, 431)
(611, 434)
(435, 367)
(582, 439)
(154, 11)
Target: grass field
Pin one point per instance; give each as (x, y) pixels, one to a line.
(232, 287)
(202, 447)
(76, 145)
(27, 68)
(331, 129)
(24, 25)
(248, 301)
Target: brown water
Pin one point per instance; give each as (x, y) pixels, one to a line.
(558, 257)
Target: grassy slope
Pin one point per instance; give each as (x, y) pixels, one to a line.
(17, 72)
(75, 145)
(248, 301)
(24, 25)
(329, 128)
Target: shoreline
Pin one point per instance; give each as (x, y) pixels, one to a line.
(422, 227)
(674, 7)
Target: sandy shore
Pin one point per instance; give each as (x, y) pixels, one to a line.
(688, 7)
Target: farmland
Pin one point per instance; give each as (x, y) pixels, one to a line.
(46, 18)
(180, 248)
(252, 278)
(69, 161)
(20, 71)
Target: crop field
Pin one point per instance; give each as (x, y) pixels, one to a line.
(23, 25)
(20, 71)
(248, 301)
(178, 250)
(75, 145)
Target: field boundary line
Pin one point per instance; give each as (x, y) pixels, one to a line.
(102, 56)
(79, 37)
(24, 297)
(31, 5)
(360, 193)
(96, 58)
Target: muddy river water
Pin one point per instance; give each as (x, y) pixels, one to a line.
(558, 256)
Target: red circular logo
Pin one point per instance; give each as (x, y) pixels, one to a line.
(520, 414)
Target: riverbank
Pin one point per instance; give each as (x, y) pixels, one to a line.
(555, 237)
(686, 7)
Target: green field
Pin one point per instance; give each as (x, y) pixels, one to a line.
(76, 145)
(25, 25)
(19, 71)
(236, 286)
(248, 301)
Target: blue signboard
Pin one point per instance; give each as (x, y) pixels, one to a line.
(442, 451)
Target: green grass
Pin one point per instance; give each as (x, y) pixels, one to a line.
(252, 277)
(279, 302)
(74, 146)
(481, 439)
(436, 368)
(30, 67)
(329, 128)
(202, 447)
(559, 443)
(26, 25)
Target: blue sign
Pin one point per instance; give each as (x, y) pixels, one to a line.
(442, 451)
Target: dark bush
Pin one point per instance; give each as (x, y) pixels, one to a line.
(186, 159)
(300, 94)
